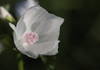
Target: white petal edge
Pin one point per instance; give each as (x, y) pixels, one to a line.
(12, 26)
(43, 48)
(54, 51)
(51, 23)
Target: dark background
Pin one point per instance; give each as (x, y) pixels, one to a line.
(80, 38)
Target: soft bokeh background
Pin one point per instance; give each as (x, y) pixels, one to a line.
(80, 38)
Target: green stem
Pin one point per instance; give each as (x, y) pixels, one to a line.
(20, 62)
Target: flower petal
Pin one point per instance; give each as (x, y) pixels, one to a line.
(54, 51)
(12, 26)
(32, 16)
(43, 48)
(20, 27)
(50, 24)
(50, 29)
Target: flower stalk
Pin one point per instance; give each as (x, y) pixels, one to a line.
(20, 62)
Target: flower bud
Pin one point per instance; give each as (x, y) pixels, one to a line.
(5, 15)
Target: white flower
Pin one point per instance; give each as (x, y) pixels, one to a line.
(37, 32)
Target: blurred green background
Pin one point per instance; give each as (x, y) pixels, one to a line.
(80, 38)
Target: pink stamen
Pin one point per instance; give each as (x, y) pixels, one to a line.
(30, 38)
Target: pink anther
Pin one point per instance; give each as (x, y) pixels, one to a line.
(30, 38)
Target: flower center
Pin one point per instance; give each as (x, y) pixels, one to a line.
(30, 38)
